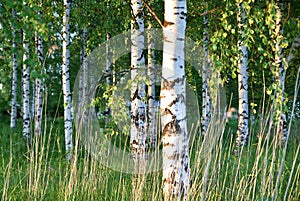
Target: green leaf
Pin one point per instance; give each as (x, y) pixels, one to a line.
(233, 75)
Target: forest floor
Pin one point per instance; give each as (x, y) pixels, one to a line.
(264, 170)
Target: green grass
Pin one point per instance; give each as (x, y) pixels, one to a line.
(42, 173)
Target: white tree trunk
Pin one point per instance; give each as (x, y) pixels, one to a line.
(176, 168)
(26, 91)
(138, 128)
(138, 107)
(38, 90)
(32, 108)
(280, 73)
(14, 82)
(66, 80)
(205, 79)
(151, 92)
(242, 132)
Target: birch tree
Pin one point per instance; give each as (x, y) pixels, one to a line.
(205, 76)
(14, 82)
(176, 167)
(138, 144)
(151, 91)
(280, 73)
(38, 103)
(138, 136)
(26, 90)
(66, 80)
(242, 131)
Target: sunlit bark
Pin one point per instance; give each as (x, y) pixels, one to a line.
(176, 167)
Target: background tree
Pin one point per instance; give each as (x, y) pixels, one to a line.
(14, 82)
(152, 126)
(242, 132)
(39, 88)
(26, 90)
(66, 79)
(206, 107)
(280, 74)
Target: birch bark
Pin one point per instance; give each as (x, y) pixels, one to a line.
(205, 79)
(138, 128)
(38, 90)
(66, 80)
(242, 132)
(152, 131)
(176, 167)
(280, 73)
(26, 91)
(14, 83)
(138, 142)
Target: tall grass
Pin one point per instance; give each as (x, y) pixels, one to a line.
(263, 171)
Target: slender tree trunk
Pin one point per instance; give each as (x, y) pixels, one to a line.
(138, 135)
(38, 90)
(242, 132)
(66, 80)
(32, 108)
(14, 82)
(138, 107)
(205, 79)
(151, 92)
(176, 167)
(26, 91)
(280, 73)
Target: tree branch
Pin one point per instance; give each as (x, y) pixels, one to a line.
(153, 13)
